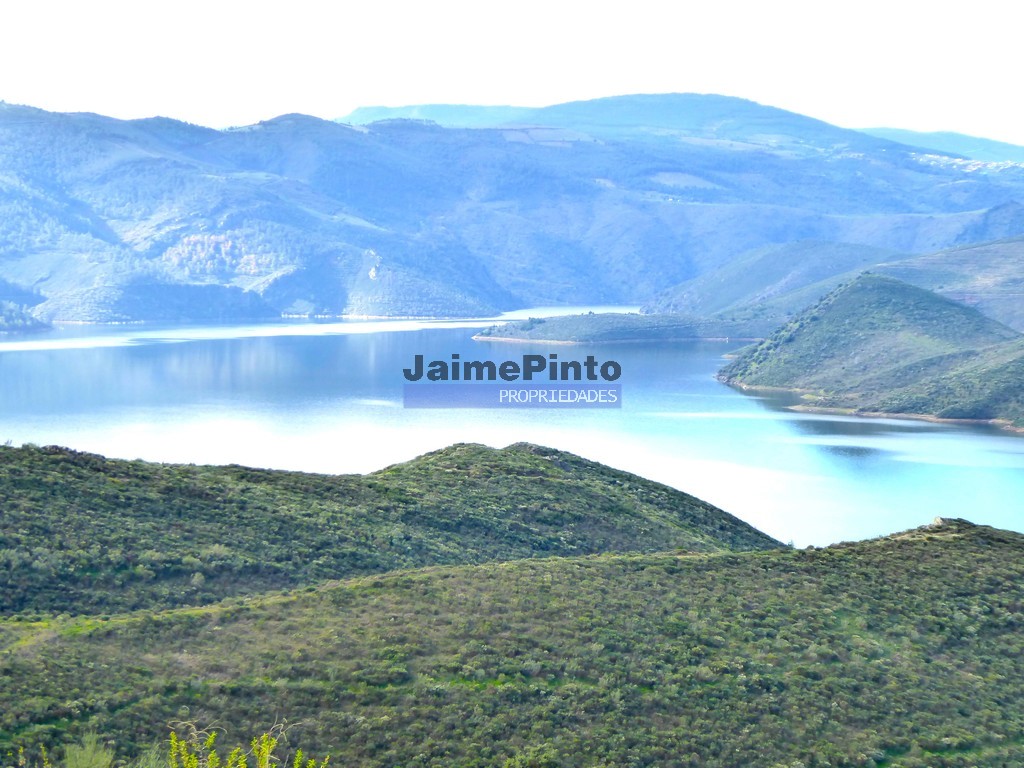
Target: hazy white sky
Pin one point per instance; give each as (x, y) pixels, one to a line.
(901, 63)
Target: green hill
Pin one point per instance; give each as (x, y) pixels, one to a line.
(877, 344)
(86, 535)
(902, 652)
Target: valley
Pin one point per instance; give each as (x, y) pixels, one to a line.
(215, 510)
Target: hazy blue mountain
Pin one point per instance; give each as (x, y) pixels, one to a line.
(770, 282)
(610, 201)
(704, 118)
(946, 142)
(448, 115)
(736, 123)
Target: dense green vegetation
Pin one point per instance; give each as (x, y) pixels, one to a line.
(88, 535)
(902, 652)
(988, 384)
(188, 746)
(878, 344)
(613, 327)
(865, 326)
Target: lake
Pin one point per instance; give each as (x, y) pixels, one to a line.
(328, 398)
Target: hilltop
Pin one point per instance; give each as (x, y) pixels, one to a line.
(901, 651)
(878, 344)
(83, 534)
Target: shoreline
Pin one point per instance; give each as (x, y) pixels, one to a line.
(287, 319)
(513, 340)
(1003, 424)
(566, 342)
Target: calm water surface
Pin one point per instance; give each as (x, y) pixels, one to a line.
(327, 398)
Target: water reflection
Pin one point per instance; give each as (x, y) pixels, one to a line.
(857, 452)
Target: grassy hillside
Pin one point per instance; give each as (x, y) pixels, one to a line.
(989, 277)
(899, 652)
(988, 384)
(880, 344)
(613, 327)
(83, 534)
(773, 282)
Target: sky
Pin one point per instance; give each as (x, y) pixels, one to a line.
(901, 63)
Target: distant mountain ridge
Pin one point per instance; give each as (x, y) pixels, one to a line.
(735, 122)
(947, 142)
(608, 201)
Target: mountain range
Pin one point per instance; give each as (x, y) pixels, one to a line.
(413, 213)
